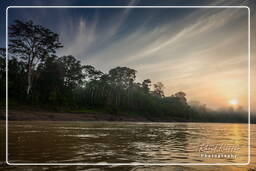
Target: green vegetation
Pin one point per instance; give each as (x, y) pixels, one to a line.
(36, 76)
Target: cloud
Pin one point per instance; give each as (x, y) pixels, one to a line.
(87, 36)
(199, 51)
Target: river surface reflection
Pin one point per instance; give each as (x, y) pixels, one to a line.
(123, 142)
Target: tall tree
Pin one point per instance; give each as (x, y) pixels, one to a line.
(2, 74)
(2, 63)
(159, 89)
(146, 85)
(91, 73)
(72, 71)
(49, 86)
(181, 96)
(122, 76)
(32, 43)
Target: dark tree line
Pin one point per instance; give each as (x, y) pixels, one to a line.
(36, 76)
(2, 75)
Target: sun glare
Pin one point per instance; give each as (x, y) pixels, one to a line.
(233, 102)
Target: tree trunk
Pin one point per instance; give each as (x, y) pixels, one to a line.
(29, 79)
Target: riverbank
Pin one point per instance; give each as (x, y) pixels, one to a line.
(33, 115)
(38, 114)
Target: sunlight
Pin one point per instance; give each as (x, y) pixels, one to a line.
(233, 102)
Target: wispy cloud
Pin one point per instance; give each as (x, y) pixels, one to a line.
(87, 36)
(202, 51)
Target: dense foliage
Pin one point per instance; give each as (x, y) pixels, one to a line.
(36, 76)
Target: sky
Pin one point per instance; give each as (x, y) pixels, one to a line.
(203, 52)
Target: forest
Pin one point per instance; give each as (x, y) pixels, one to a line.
(38, 77)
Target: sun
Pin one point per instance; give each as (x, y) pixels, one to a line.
(233, 102)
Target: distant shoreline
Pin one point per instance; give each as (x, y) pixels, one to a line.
(33, 115)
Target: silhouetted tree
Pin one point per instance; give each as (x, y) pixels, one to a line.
(146, 85)
(72, 71)
(2, 74)
(159, 89)
(181, 96)
(91, 73)
(2, 63)
(31, 43)
(122, 76)
(49, 85)
(16, 79)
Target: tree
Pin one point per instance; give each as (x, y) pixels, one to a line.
(32, 43)
(2, 52)
(159, 89)
(2, 74)
(72, 71)
(16, 79)
(122, 76)
(2, 63)
(181, 96)
(146, 85)
(49, 86)
(91, 73)
(120, 79)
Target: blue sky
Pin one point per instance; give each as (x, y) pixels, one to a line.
(200, 51)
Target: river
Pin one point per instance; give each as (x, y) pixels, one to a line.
(127, 142)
